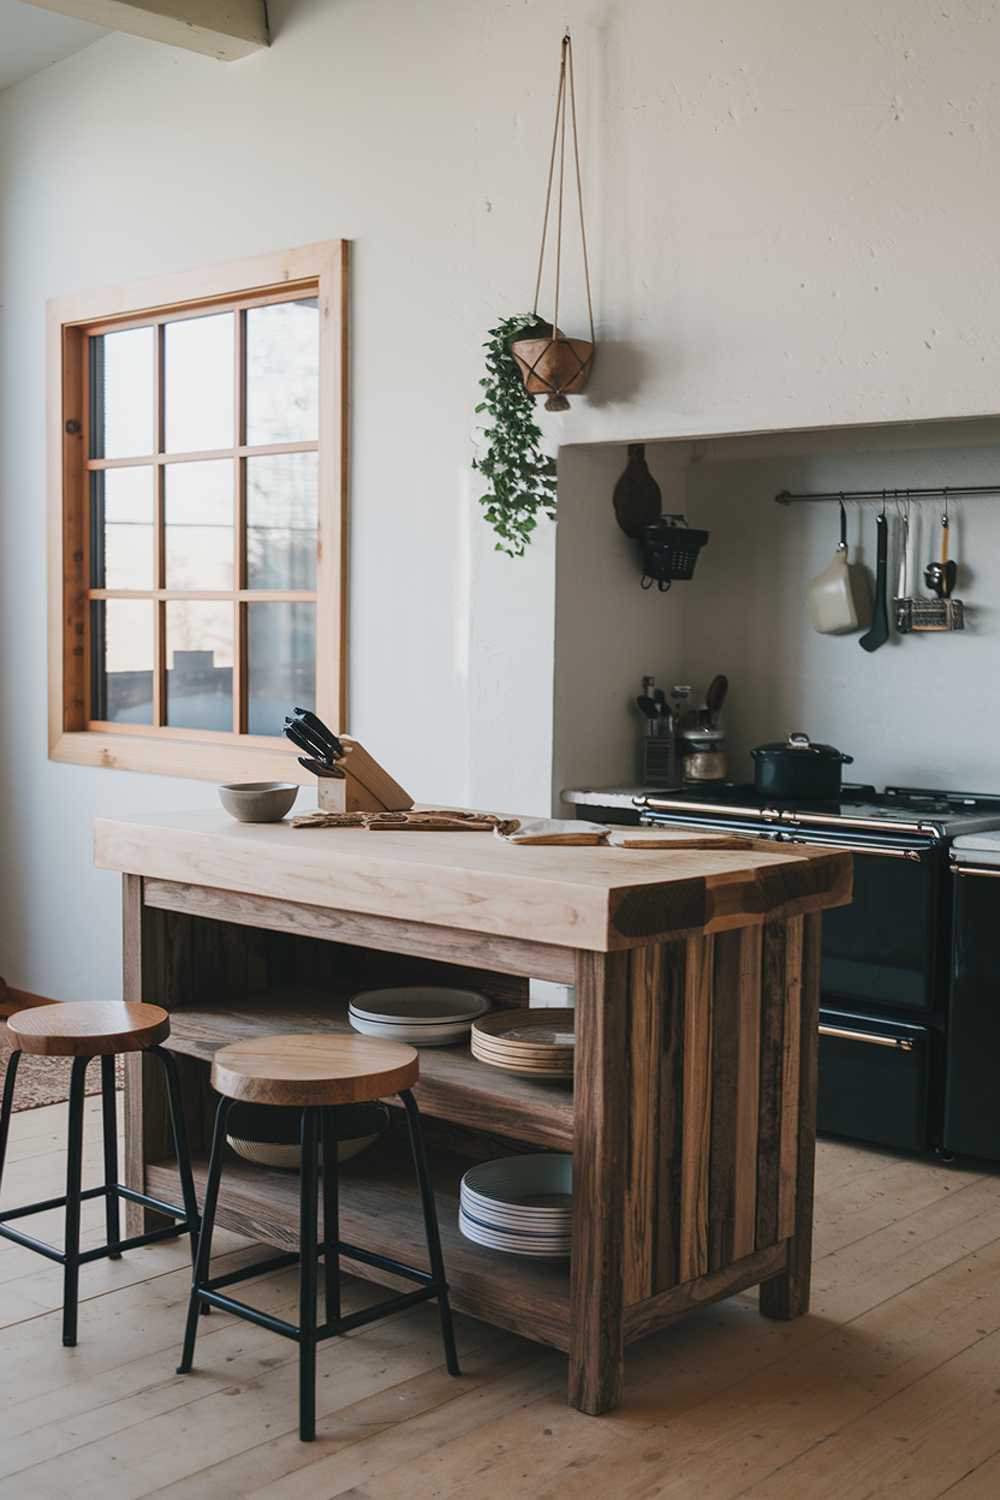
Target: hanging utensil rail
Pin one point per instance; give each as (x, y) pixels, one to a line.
(943, 492)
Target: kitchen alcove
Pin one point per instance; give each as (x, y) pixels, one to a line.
(922, 710)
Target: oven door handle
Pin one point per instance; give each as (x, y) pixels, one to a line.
(882, 850)
(900, 1043)
(983, 870)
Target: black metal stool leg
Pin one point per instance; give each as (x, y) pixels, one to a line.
(331, 1216)
(308, 1256)
(112, 1216)
(179, 1133)
(204, 1255)
(74, 1169)
(431, 1228)
(7, 1107)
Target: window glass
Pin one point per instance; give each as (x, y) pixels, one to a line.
(281, 666)
(199, 383)
(282, 376)
(198, 512)
(121, 657)
(200, 663)
(121, 393)
(121, 534)
(281, 521)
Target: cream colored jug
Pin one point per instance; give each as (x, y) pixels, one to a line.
(837, 602)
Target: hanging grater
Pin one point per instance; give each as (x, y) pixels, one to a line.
(928, 615)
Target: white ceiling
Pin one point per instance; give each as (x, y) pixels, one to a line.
(32, 39)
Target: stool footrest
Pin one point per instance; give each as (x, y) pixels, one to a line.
(135, 1242)
(247, 1273)
(252, 1314)
(132, 1195)
(169, 1231)
(50, 1203)
(380, 1262)
(211, 1292)
(378, 1310)
(29, 1242)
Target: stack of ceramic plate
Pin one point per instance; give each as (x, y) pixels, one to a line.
(421, 1015)
(520, 1204)
(537, 1042)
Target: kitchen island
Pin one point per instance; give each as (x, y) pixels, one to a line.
(691, 1117)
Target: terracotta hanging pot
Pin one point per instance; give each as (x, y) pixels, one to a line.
(551, 364)
(554, 366)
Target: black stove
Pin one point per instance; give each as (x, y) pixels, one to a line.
(886, 958)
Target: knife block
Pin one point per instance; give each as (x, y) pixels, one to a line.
(361, 785)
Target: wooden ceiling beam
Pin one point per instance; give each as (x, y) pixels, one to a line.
(226, 29)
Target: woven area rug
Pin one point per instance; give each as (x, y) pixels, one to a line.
(45, 1080)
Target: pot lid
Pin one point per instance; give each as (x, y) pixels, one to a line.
(710, 738)
(801, 744)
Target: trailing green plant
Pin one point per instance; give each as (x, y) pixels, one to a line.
(521, 478)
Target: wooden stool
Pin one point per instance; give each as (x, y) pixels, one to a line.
(316, 1074)
(84, 1031)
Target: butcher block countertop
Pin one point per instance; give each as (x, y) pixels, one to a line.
(597, 898)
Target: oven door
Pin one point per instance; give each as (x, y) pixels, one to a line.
(874, 1078)
(883, 951)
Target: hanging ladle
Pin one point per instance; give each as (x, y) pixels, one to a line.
(940, 577)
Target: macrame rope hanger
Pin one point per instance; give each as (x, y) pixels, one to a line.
(578, 366)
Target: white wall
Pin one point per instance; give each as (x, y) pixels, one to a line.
(793, 221)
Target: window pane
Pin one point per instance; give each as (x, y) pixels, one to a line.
(199, 383)
(281, 665)
(121, 658)
(283, 372)
(281, 521)
(121, 535)
(121, 393)
(198, 512)
(200, 663)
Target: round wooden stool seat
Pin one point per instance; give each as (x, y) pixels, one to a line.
(313, 1071)
(84, 1028)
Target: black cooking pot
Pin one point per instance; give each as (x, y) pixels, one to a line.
(799, 770)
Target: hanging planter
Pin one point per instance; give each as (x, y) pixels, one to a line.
(551, 364)
(527, 357)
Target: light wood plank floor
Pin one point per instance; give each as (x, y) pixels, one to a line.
(890, 1388)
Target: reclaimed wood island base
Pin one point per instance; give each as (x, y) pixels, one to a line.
(691, 1117)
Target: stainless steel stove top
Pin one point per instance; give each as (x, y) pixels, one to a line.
(937, 813)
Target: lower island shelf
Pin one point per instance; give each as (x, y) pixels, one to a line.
(380, 1211)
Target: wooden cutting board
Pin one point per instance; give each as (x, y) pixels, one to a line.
(675, 838)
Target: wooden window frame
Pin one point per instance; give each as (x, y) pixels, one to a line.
(319, 270)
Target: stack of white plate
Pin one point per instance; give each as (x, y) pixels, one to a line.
(521, 1204)
(421, 1015)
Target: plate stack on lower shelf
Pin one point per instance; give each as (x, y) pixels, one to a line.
(421, 1015)
(520, 1204)
(536, 1043)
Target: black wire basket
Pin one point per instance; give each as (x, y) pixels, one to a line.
(670, 550)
